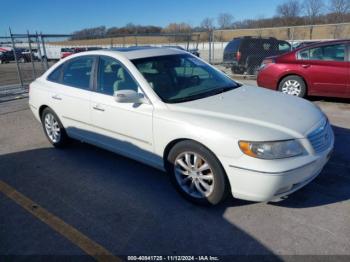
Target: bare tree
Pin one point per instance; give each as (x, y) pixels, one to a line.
(177, 28)
(289, 11)
(313, 9)
(208, 24)
(225, 20)
(339, 8)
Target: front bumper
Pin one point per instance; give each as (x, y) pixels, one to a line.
(258, 186)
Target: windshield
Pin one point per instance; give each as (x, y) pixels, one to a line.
(181, 78)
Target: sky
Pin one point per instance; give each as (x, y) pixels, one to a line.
(67, 16)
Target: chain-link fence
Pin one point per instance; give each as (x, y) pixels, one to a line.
(295, 36)
(24, 57)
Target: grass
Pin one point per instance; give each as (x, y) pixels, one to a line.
(297, 33)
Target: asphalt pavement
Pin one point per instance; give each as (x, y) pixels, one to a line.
(129, 208)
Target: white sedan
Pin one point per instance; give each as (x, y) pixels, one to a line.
(171, 110)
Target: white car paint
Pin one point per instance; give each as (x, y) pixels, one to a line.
(218, 122)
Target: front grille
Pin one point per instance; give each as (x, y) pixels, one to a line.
(321, 137)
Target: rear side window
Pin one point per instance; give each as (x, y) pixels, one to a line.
(324, 53)
(77, 73)
(283, 46)
(55, 75)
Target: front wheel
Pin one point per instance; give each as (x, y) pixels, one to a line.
(197, 174)
(293, 85)
(53, 128)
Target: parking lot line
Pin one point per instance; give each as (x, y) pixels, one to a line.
(72, 234)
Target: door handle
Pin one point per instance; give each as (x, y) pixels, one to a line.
(56, 97)
(305, 66)
(98, 108)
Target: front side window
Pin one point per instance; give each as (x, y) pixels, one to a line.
(112, 76)
(78, 72)
(181, 78)
(324, 53)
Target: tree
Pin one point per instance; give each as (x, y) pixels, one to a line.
(289, 11)
(339, 8)
(177, 28)
(225, 20)
(313, 9)
(207, 24)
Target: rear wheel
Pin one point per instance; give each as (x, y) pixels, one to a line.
(197, 173)
(237, 70)
(252, 69)
(293, 85)
(53, 128)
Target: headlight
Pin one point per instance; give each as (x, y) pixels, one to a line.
(272, 150)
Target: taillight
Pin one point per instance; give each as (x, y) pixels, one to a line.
(238, 56)
(266, 62)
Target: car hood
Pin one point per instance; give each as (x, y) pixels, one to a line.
(253, 111)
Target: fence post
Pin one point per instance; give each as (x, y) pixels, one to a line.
(292, 34)
(39, 49)
(31, 56)
(44, 50)
(16, 59)
(209, 43)
(213, 45)
(188, 42)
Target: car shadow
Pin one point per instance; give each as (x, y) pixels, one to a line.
(125, 206)
(131, 208)
(329, 99)
(333, 184)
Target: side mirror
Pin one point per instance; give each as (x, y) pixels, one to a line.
(129, 96)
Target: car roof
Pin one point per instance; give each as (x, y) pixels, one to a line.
(322, 43)
(136, 52)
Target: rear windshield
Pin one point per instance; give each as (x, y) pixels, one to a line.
(233, 46)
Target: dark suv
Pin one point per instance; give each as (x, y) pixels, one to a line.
(8, 56)
(245, 54)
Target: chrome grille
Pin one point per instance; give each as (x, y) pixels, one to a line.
(321, 137)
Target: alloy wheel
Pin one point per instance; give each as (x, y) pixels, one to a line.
(52, 128)
(194, 174)
(291, 87)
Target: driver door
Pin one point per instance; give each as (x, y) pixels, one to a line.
(121, 127)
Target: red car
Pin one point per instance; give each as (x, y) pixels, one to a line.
(66, 52)
(320, 69)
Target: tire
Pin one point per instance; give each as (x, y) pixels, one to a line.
(252, 70)
(293, 85)
(237, 70)
(57, 138)
(190, 185)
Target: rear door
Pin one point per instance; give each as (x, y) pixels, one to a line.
(326, 69)
(70, 95)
